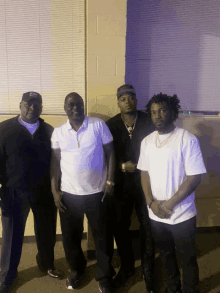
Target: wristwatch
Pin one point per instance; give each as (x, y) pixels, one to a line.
(110, 183)
(123, 167)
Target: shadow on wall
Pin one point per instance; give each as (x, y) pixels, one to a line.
(98, 115)
(209, 137)
(173, 47)
(208, 132)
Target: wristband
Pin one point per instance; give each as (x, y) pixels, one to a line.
(110, 183)
(150, 203)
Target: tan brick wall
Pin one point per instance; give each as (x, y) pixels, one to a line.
(106, 31)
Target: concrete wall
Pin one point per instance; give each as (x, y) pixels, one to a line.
(106, 31)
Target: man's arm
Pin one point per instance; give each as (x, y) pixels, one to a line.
(185, 189)
(2, 169)
(154, 204)
(110, 157)
(55, 179)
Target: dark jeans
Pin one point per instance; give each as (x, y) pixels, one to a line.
(72, 230)
(129, 195)
(178, 238)
(15, 207)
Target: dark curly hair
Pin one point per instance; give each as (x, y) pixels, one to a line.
(172, 103)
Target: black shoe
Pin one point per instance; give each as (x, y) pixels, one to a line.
(107, 287)
(55, 273)
(149, 282)
(122, 276)
(74, 282)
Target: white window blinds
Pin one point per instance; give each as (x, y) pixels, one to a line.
(42, 48)
(174, 47)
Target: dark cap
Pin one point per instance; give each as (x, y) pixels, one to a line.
(31, 96)
(124, 89)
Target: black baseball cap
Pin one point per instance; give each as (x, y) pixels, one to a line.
(31, 96)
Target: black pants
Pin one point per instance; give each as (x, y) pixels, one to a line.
(129, 195)
(72, 230)
(181, 238)
(15, 207)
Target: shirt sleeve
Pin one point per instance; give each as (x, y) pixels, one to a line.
(143, 160)
(105, 132)
(54, 140)
(3, 164)
(192, 156)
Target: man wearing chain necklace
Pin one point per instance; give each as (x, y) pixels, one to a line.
(171, 165)
(83, 160)
(128, 129)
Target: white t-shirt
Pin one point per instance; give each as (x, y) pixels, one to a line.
(30, 127)
(168, 167)
(83, 166)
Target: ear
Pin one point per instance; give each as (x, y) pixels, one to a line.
(172, 115)
(20, 105)
(118, 104)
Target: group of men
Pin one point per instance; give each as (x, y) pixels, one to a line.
(135, 160)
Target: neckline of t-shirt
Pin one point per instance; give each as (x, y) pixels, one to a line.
(28, 125)
(167, 134)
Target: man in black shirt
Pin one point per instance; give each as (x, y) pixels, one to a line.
(25, 153)
(128, 129)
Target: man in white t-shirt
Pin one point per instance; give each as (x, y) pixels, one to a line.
(171, 165)
(82, 152)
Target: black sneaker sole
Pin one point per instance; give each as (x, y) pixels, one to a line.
(76, 283)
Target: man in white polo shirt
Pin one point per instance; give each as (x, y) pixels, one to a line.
(171, 165)
(83, 152)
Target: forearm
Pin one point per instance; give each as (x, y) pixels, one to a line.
(55, 171)
(145, 183)
(111, 167)
(2, 166)
(185, 189)
(111, 162)
(154, 205)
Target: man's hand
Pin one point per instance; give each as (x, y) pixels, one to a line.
(130, 167)
(108, 190)
(155, 207)
(57, 195)
(166, 206)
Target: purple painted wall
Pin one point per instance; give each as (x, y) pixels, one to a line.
(174, 47)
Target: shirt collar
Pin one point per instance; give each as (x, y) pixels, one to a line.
(84, 125)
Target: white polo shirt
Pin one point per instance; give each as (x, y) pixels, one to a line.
(83, 165)
(168, 167)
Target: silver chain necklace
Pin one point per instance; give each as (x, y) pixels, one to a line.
(129, 127)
